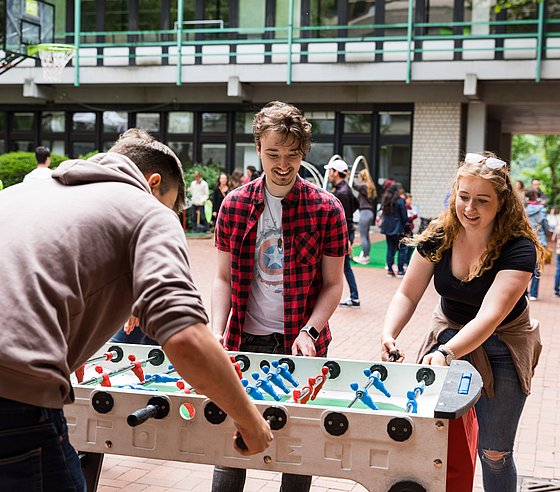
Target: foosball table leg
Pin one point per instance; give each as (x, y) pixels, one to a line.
(91, 468)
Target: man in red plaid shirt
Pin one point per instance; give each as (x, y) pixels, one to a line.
(281, 245)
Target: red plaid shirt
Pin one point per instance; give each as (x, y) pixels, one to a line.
(313, 225)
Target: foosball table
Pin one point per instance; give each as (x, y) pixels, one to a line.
(383, 425)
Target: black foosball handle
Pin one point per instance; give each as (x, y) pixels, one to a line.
(240, 443)
(141, 415)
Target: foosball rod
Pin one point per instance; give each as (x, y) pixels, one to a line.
(366, 387)
(116, 372)
(105, 356)
(149, 380)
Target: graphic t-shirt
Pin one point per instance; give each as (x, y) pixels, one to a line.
(265, 309)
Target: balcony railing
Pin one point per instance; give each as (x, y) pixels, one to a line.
(404, 42)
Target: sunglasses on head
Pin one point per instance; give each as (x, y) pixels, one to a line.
(490, 162)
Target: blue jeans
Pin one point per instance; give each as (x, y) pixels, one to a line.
(394, 245)
(136, 336)
(534, 288)
(35, 454)
(349, 274)
(366, 221)
(226, 479)
(557, 275)
(498, 417)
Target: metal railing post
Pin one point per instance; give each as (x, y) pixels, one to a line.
(77, 29)
(180, 18)
(409, 41)
(290, 40)
(540, 41)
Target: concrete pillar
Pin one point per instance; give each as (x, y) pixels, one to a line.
(436, 147)
(476, 127)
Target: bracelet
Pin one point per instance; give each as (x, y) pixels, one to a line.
(450, 352)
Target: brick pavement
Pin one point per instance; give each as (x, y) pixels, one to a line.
(356, 334)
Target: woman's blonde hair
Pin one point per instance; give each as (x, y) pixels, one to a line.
(510, 222)
(365, 177)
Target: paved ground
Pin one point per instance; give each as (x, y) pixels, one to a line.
(356, 334)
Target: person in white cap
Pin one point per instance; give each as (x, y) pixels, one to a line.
(338, 170)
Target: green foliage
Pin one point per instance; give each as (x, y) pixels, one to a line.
(209, 172)
(514, 4)
(15, 165)
(538, 157)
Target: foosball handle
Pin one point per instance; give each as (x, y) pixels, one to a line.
(393, 357)
(240, 443)
(141, 415)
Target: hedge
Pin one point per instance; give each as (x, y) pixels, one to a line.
(15, 165)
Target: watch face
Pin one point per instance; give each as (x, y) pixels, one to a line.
(313, 332)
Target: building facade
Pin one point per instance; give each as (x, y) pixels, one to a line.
(410, 84)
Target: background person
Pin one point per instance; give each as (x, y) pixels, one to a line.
(123, 251)
(42, 171)
(221, 189)
(481, 253)
(539, 222)
(394, 224)
(338, 171)
(277, 235)
(367, 200)
(541, 196)
(199, 194)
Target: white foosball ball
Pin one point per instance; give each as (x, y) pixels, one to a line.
(386, 426)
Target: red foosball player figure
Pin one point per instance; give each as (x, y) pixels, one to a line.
(182, 386)
(80, 373)
(105, 381)
(320, 381)
(237, 366)
(137, 369)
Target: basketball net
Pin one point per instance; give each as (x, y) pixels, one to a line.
(54, 57)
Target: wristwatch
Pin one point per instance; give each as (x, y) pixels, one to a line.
(311, 331)
(447, 353)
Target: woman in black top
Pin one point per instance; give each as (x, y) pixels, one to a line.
(481, 253)
(221, 189)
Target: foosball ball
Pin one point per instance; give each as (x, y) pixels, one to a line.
(390, 427)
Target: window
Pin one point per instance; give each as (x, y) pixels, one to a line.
(357, 123)
(183, 151)
(252, 16)
(214, 153)
(80, 149)
(361, 13)
(53, 122)
(319, 155)
(24, 121)
(322, 122)
(351, 152)
(84, 122)
(395, 123)
(88, 20)
(282, 12)
(180, 122)
(394, 163)
(148, 121)
(55, 146)
(244, 123)
(214, 122)
(115, 121)
(246, 155)
(323, 13)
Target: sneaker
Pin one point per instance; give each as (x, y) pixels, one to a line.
(400, 274)
(390, 273)
(351, 303)
(531, 298)
(362, 260)
(557, 294)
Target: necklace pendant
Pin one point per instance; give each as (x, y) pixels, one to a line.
(280, 243)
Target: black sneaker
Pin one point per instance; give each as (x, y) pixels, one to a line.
(351, 303)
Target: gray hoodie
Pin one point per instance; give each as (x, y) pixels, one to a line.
(80, 253)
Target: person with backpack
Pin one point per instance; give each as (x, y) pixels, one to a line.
(536, 212)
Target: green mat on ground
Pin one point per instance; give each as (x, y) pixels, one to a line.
(377, 255)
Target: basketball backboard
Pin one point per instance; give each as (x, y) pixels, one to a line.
(25, 23)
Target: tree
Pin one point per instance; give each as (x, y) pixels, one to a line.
(538, 156)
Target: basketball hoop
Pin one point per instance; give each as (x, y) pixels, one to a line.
(54, 57)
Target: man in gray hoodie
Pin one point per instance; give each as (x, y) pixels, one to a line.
(80, 253)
